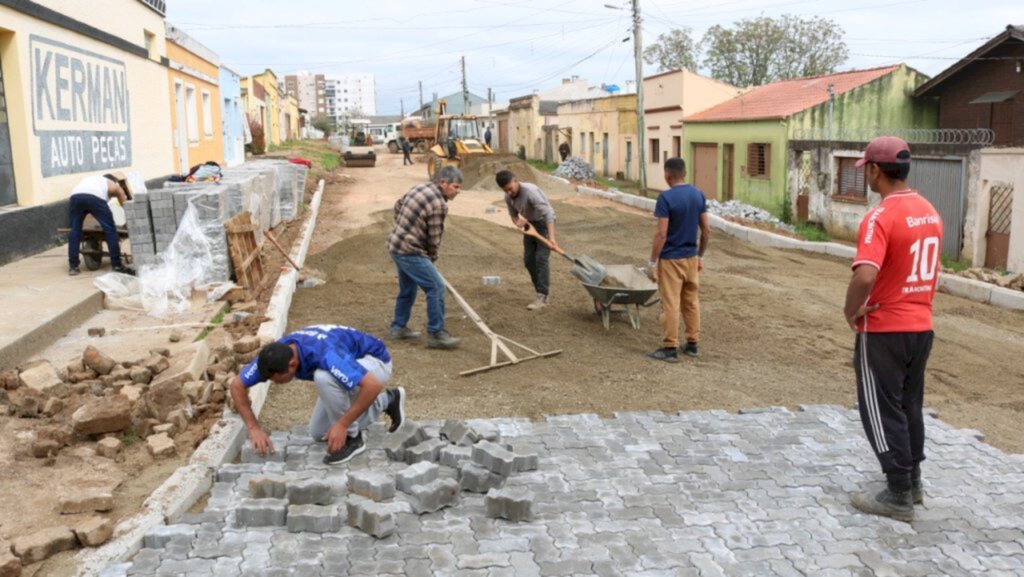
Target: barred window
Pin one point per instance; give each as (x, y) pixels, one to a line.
(850, 179)
(759, 160)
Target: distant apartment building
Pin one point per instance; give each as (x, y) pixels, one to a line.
(351, 96)
(309, 89)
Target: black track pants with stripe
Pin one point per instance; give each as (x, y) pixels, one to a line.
(890, 395)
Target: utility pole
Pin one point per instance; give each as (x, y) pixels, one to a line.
(402, 101)
(640, 131)
(421, 95)
(465, 91)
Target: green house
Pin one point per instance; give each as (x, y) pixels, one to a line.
(738, 148)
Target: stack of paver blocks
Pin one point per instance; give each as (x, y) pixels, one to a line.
(271, 190)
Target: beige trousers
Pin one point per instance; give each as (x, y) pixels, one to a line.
(678, 284)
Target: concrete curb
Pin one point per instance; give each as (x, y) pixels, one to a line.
(189, 483)
(951, 284)
(46, 333)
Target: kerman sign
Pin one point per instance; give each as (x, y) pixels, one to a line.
(80, 108)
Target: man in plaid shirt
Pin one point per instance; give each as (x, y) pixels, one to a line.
(413, 244)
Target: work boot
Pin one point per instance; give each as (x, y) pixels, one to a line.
(541, 302)
(916, 487)
(665, 354)
(396, 408)
(895, 501)
(404, 334)
(442, 340)
(689, 349)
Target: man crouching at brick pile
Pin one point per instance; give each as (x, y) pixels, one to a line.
(350, 369)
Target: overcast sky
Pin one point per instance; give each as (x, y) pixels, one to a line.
(515, 46)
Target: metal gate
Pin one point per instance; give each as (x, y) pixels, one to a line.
(1000, 214)
(8, 194)
(941, 181)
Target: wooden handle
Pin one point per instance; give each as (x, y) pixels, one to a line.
(271, 238)
(530, 231)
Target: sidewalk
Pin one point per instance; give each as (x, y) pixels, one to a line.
(41, 303)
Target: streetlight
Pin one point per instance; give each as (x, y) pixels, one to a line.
(638, 59)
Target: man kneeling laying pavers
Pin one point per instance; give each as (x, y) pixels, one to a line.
(350, 369)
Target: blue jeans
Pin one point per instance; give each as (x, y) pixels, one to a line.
(81, 205)
(417, 271)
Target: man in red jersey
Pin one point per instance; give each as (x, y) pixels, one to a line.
(889, 306)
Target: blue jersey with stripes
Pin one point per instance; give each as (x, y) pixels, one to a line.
(331, 348)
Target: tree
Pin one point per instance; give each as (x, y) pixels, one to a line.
(760, 50)
(323, 123)
(674, 49)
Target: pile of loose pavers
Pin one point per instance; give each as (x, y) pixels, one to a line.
(574, 168)
(419, 469)
(96, 404)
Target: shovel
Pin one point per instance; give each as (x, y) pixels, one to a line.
(588, 270)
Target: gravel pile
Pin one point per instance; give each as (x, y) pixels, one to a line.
(736, 209)
(575, 168)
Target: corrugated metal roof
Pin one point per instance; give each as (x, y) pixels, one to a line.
(787, 97)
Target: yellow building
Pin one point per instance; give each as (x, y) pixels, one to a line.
(254, 101)
(193, 71)
(81, 93)
(667, 98)
(289, 117)
(603, 132)
(271, 116)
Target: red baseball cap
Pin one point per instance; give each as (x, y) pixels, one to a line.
(886, 150)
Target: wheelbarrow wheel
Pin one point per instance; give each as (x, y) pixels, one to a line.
(92, 256)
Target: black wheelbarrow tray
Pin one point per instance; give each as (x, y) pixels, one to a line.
(624, 288)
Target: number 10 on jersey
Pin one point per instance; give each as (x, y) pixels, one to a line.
(926, 259)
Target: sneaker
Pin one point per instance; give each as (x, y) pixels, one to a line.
(396, 408)
(667, 355)
(125, 270)
(74, 271)
(539, 303)
(899, 506)
(442, 340)
(404, 334)
(689, 349)
(353, 446)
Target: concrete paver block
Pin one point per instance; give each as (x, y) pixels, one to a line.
(419, 474)
(428, 450)
(261, 513)
(313, 519)
(372, 518)
(456, 432)
(434, 496)
(158, 537)
(373, 485)
(309, 492)
(408, 434)
(476, 479)
(493, 457)
(525, 462)
(249, 455)
(230, 472)
(269, 487)
(454, 456)
(512, 503)
(44, 378)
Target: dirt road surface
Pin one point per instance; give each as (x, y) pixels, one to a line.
(773, 331)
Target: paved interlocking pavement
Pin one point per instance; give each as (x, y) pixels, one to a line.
(764, 492)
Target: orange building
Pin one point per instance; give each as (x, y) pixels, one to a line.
(194, 85)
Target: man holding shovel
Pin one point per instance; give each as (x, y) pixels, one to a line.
(677, 258)
(527, 206)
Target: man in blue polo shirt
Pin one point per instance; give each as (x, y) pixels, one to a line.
(677, 258)
(350, 370)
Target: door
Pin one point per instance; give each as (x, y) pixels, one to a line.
(629, 160)
(604, 154)
(180, 127)
(1000, 213)
(593, 145)
(705, 169)
(727, 171)
(8, 194)
(229, 146)
(941, 182)
(503, 135)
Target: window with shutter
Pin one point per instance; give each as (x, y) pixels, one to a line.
(759, 160)
(655, 146)
(850, 179)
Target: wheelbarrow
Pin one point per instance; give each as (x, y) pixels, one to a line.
(92, 243)
(624, 288)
